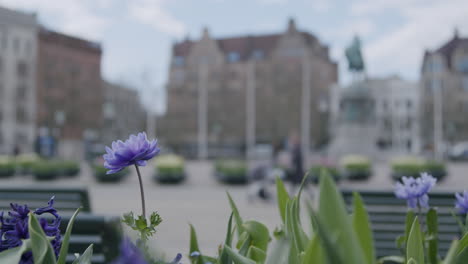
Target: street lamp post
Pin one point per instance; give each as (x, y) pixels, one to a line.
(202, 112)
(305, 108)
(250, 110)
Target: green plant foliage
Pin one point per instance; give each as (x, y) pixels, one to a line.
(85, 258)
(415, 246)
(363, 230)
(41, 248)
(231, 171)
(140, 224)
(66, 239)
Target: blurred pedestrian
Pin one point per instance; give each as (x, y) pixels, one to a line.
(297, 170)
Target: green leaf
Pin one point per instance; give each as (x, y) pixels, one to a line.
(258, 233)
(408, 223)
(224, 257)
(238, 258)
(283, 198)
(40, 244)
(463, 243)
(13, 255)
(256, 254)
(415, 248)
(65, 241)
(237, 216)
(85, 258)
(452, 253)
(328, 242)
(412, 261)
(314, 252)
(335, 220)
(362, 228)
(194, 246)
(432, 231)
(299, 238)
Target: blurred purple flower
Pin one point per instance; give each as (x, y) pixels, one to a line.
(135, 150)
(14, 228)
(176, 259)
(129, 254)
(415, 190)
(462, 202)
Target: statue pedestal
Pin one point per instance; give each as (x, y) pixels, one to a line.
(354, 138)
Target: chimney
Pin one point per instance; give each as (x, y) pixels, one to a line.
(291, 25)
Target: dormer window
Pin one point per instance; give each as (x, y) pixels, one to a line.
(233, 56)
(179, 61)
(258, 54)
(462, 65)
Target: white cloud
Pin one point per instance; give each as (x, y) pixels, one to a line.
(151, 12)
(71, 17)
(428, 25)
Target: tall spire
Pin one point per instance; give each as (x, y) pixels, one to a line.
(291, 25)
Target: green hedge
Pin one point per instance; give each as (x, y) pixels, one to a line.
(413, 167)
(45, 170)
(231, 171)
(170, 169)
(7, 167)
(25, 162)
(101, 176)
(316, 170)
(356, 167)
(68, 167)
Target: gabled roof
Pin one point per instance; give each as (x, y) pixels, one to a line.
(448, 48)
(243, 45)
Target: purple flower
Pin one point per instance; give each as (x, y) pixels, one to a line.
(135, 150)
(415, 190)
(462, 202)
(129, 254)
(14, 228)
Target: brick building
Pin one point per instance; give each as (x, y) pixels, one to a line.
(229, 92)
(69, 90)
(444, 87)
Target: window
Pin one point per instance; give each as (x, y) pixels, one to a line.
(409, 104)
(462, 65)
(258, 54)
(465, 83)
(22, 69)
(16, 45)
(233, 56)
(21, 92)
(179, 61)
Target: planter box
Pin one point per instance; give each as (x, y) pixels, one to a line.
(101, 176)
(7, 170)
(238, 179)
(169, 178)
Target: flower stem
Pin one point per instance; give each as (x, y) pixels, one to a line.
(142, 192)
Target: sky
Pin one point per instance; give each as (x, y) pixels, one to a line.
(137, 35)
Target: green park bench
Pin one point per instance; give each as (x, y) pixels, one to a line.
(66, 199)
(103, 232)
(388, 214)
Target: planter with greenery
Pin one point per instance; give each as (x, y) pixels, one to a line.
(170, 169)
(406, 166)
(231, 171)
(68, 168)
(7, 167)
(45, 170)
(356, 167)
(316, 170)
(25, 162)
(436, 169)
(101, 176)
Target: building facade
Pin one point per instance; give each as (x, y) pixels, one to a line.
(70, 93)
(393, 116)
(18, 44)
(123, 112)
(233, 93)
(444, 87)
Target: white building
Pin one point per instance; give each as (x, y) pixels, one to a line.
(18, 44)
(395, 117)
